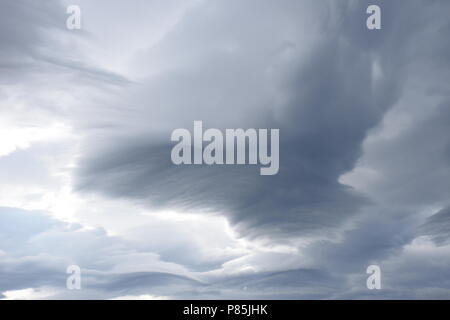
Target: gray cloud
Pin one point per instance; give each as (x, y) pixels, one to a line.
(328, 104)
(334, 93)
(438, 226)
(364, 156)
(36, 249)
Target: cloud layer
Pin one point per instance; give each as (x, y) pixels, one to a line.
(85, 149)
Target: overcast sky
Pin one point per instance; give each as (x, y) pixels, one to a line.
(87, 179)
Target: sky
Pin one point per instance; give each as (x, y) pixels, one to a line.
(86, 176)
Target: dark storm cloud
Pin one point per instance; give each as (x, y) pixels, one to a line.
(330, 99)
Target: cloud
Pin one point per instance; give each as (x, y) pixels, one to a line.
(330, 92)
(321, 98)
(437, 226)
(364, 156)
(36, 250)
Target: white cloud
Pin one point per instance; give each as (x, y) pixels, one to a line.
(27, 294)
